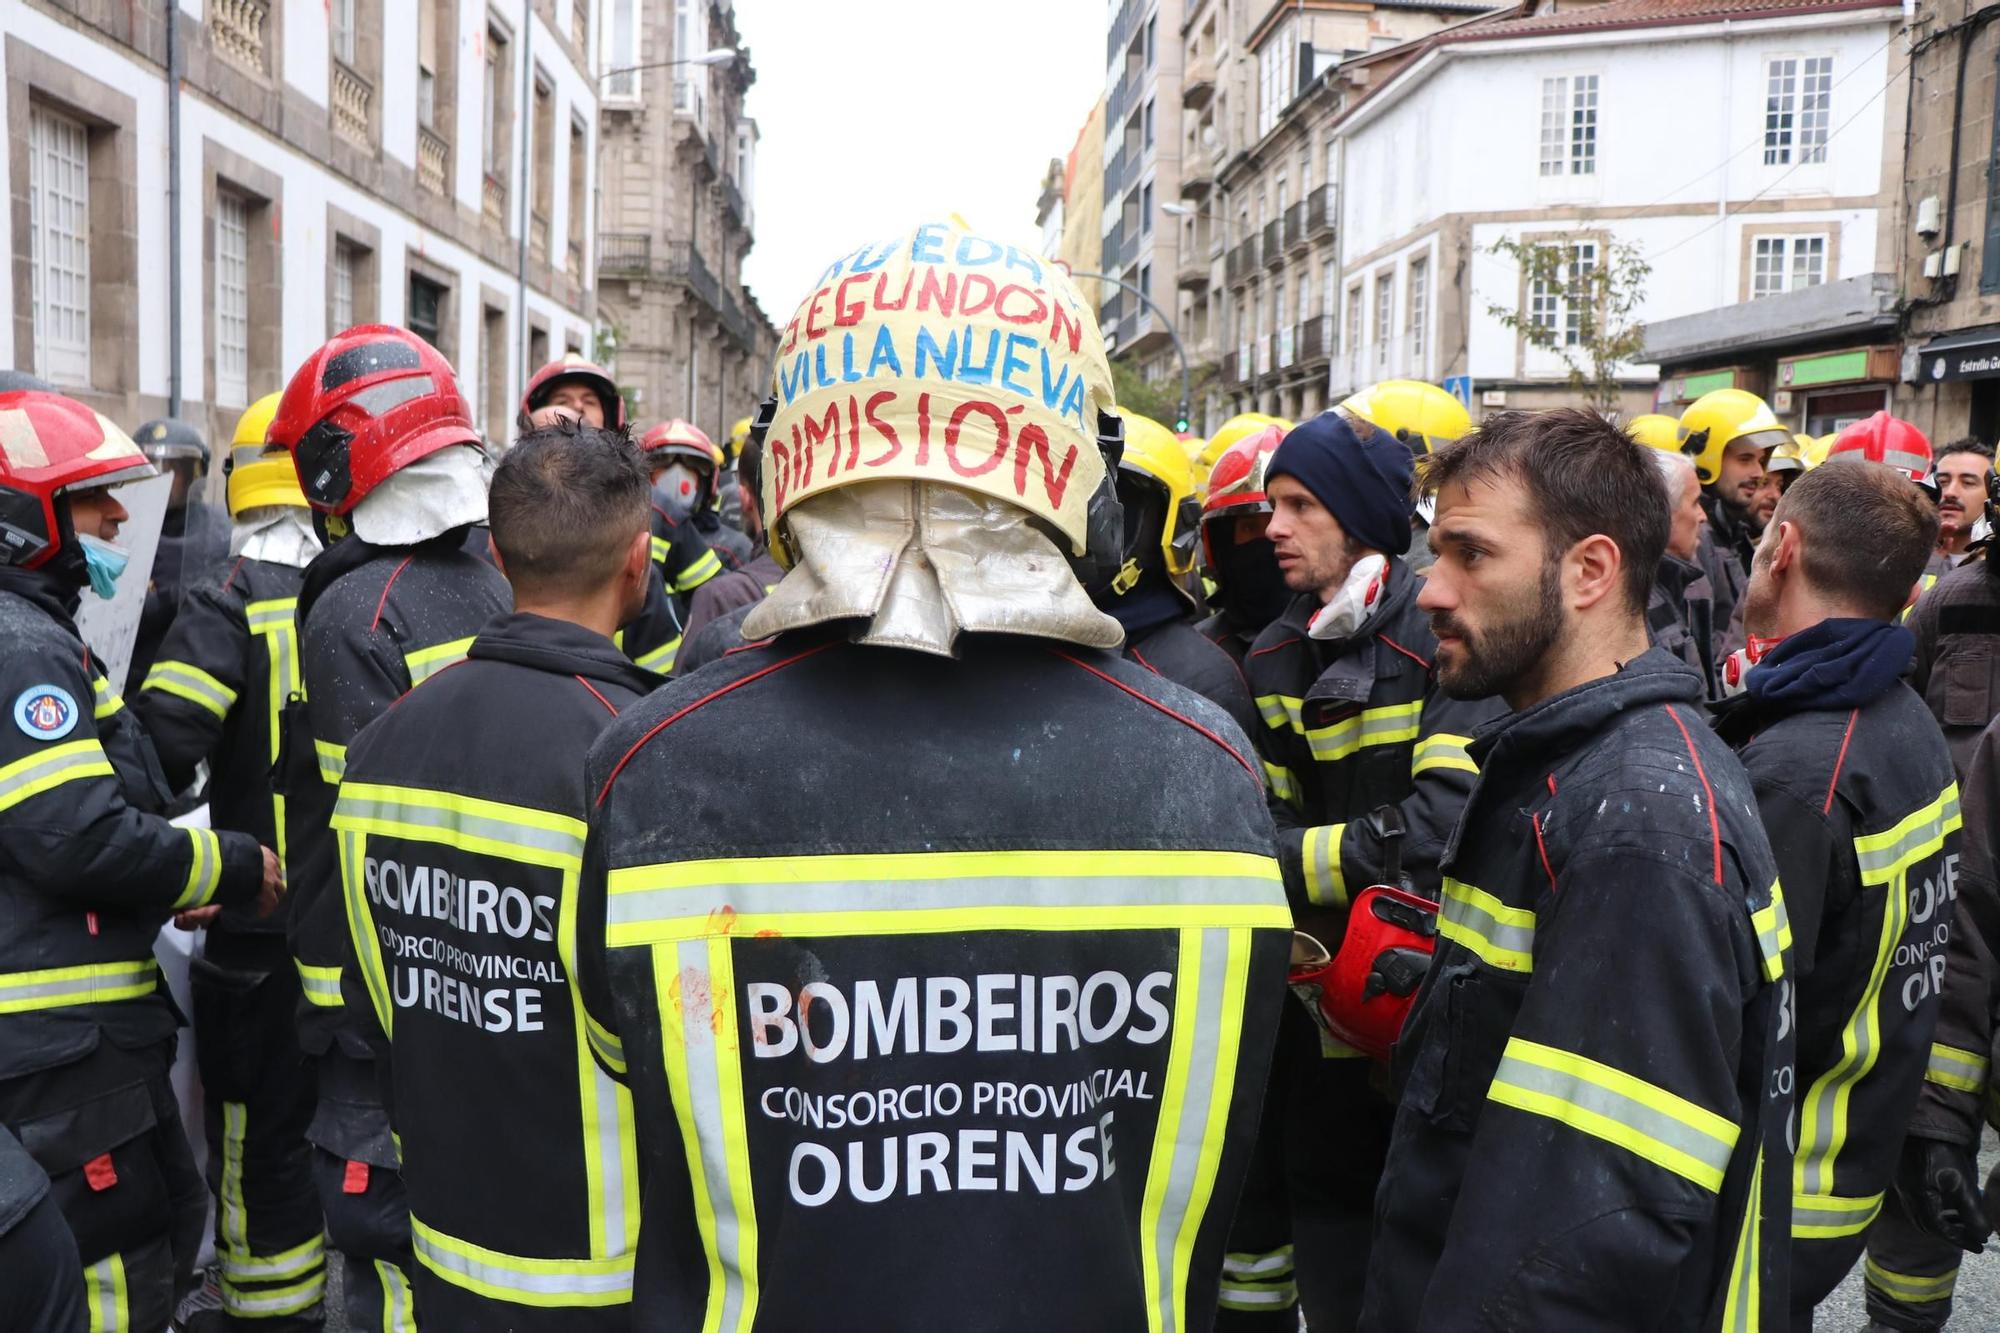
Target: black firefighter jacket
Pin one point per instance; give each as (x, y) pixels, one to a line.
(89, 869)
(373, 622)
(1680, 616)
(217, 692)
(1178, 651)
(924, 1005)
(1957, 624)
(462, 839)
(1351, 726)
(1595, 1078)
(1861, 806)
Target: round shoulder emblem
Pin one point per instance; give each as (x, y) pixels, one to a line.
(45, 712)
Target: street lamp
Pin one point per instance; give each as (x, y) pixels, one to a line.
(721, 55)
(1187, 383)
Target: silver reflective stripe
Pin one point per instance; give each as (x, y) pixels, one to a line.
(295, 1262)
(705, 1108)
(427, 662)
(1876, 861)
(514, 1279)
(17, 988)
(192, 683)
(59, 765)
(1711, 1150)
(1832, 1215)
(699, 901)
(1954, 1068)
(1377, 726)
(395, 1299)
(1238, 1295)
(1189, 1134)
(276, 1300)
(610, 1164)
(1506, 944)
(461, 823)
(104, 1294)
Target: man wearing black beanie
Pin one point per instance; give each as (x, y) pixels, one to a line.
(1368, 769)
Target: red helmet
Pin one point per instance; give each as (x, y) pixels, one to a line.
(369, 402)
(50, 446)
(573, 367)
(1362, 995)
(679, 438)
(1236, 484)
(1887, 440)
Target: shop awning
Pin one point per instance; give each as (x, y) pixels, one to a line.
(1863, 308)
(1973, 354)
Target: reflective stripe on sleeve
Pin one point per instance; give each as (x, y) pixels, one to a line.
(320, 984)
(1953, 1067)
(427, 662)
(1910, 1288)
(1283, 785)
(1774, 933)
(1826, 1216)
(1386, 725)
(1596, 1099)
(1282, 712)
(232, 1216)
(706, 567)
(60, 987)
(332, 761)
(204, 875)
(276, 613)
(606, 1044)
(1319, 856)
(1742, 1307)
(1442, 752)
(660, 659)
(104, 1296)
(398, 1307)
(520, 1280)
(106, 699)
(45, 769)
(1883, 856)
(1258, 1281)
(296, 1262)
(186, 681)
(1501, 936)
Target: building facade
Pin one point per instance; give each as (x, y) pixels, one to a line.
(678, 166)
(429, 163)
(1142, 157)
(1081, 244)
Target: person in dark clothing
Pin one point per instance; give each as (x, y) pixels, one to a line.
(1729, 433)
(38, 1264)
(1680, 610)
(1248, 587)
(194, 535)
(1856, 790)
(1592, 1128)
(1957, 627)
(686, 465)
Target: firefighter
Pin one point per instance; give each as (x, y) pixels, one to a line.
(729, 488)
(1680, 610)
(1729, 432)
(194, 535)
(1248, 590)
(723, 630)
(1368, 769)
(1595, 1081)
(38, 1265)
(92, 870)
(1148, 593)
(434, 789)
(687, 476)
(1857, 793)
(1424, 417)
(988, 1045)
(394, 599)
(1967, 486)
(577, 384)
(217, 695)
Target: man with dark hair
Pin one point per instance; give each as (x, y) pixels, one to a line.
(1591, 1123)
(1964, 476)
(1856, 791)
(476, 777)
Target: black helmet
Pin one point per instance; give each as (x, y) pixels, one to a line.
(168, 439)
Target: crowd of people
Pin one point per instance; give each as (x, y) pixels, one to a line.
(1007, 866)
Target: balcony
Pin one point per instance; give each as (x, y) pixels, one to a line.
(1315, 338)
(236, 28)
(538, 236)
(1193, 275)
(1319, 212)
(1242, 262)
(576, 257)
(1198, 83)
(1197, 176)
(1113, 240)
(493, 201)
(1295, 227)
(1114, 174)
(352, 96)
(433, 155)
(1274, 252)
(733, 199)
(1134, 243)
(625, 254)
(686, 266)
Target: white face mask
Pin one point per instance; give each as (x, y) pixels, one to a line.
(1357, 600)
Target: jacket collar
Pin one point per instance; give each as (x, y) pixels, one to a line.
(1540, 736)
(1344, 669)
(35, 586)
(561, 648)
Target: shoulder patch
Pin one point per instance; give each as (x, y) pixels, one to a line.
(45, 712)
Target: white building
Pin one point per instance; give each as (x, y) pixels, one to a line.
(1746, 149)
(429, 163)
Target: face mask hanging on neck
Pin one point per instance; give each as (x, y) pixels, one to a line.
(104, 563)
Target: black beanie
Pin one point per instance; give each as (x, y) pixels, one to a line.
(1362, 475)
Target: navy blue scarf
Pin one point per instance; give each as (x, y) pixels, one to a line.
(1834, 664)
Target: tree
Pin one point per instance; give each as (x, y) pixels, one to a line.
(1592, 328)
(1159, 399)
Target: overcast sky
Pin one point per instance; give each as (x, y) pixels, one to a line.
(875, 115)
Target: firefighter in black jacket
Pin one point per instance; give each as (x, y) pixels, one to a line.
(1362, 751)
(943, 1033)
(1858, 796)
(89, 870)
(1148, 592)
(388, 459)
(217, 693)
(1237, 557)
(686, 467)
(463, 845)
(1595, 1081)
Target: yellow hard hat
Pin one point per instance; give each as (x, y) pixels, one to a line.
(1789, 456)
(1815, 449)
(270, 480)
(253, 428)
(1724, 417)
(1656, 430)
(1421, 415)
(1152, 452)
(1239, 427)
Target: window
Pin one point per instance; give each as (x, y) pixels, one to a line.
(1354, 315)
(1278, 305)
(1798, 100)
(1305, 170)
(1558, 303)
(493, 371)
(59, 244)
(538, 349)
(579, 200)
(1284, 197)
(1277, 75)
(427, 63)
(1305, 296)
(1146, 120)
(493, 105)
(426, 312)
(1569, 125)
(341, 13)
(1145, 280)
(1786, 263)
(690, 81)
(1328, 290)
(1152, 34)
(345, 261)
(1146, 209)
(232, 300)
(544, 130)
(1418, 314)
(1385, 311)
(621, 49)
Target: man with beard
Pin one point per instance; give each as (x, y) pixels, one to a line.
(1368, 770)
(1592, 1127)
(1680, 610)
(1856, 791)
(1248, 591)
(1729, 432)
(1965, 480)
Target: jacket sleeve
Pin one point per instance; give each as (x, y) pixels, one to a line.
(65, 825)
(352, 677)
(653, 638)
(682, 555)
(1807, 843)
(1923, 622)
(195, 681)
(1610, 1123)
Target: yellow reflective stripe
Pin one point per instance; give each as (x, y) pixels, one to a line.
(105, 1297)
(1387, 725)
(1827, 1216)
(45, 769)
(517, 832)
(233, 1217)
(398, 1309)
(281, 646)
(1885, 856)
(273, 1302)
(660, 659)
(661, 546)
(1774, 933)
(917, 892)
(1442, 751)
(320, 984)
(1282, 712)
(361, 927)
(1909, 1287)
(244, 1267)
(61, 987)
(606, 1044)
(1607, 1103)
(1501, 936)
(272, 613)
(1953, 1067)
(1224, 1023)
(700, 571)
(1258, 1267)
(105, 699)
(1283, 785)
(204, 875)
(184, 680)
(332, 761)
(518, 1279)
(427, 662)
(1741, 1308)
(1319, 856)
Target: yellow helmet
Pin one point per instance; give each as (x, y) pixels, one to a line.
(1815, 447)
(1412, 411)
(1152, 452)
(1789, 456)
(1656, 430)
(256, 477)
(1239, 427)
(1724, 417)
(253, 428)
